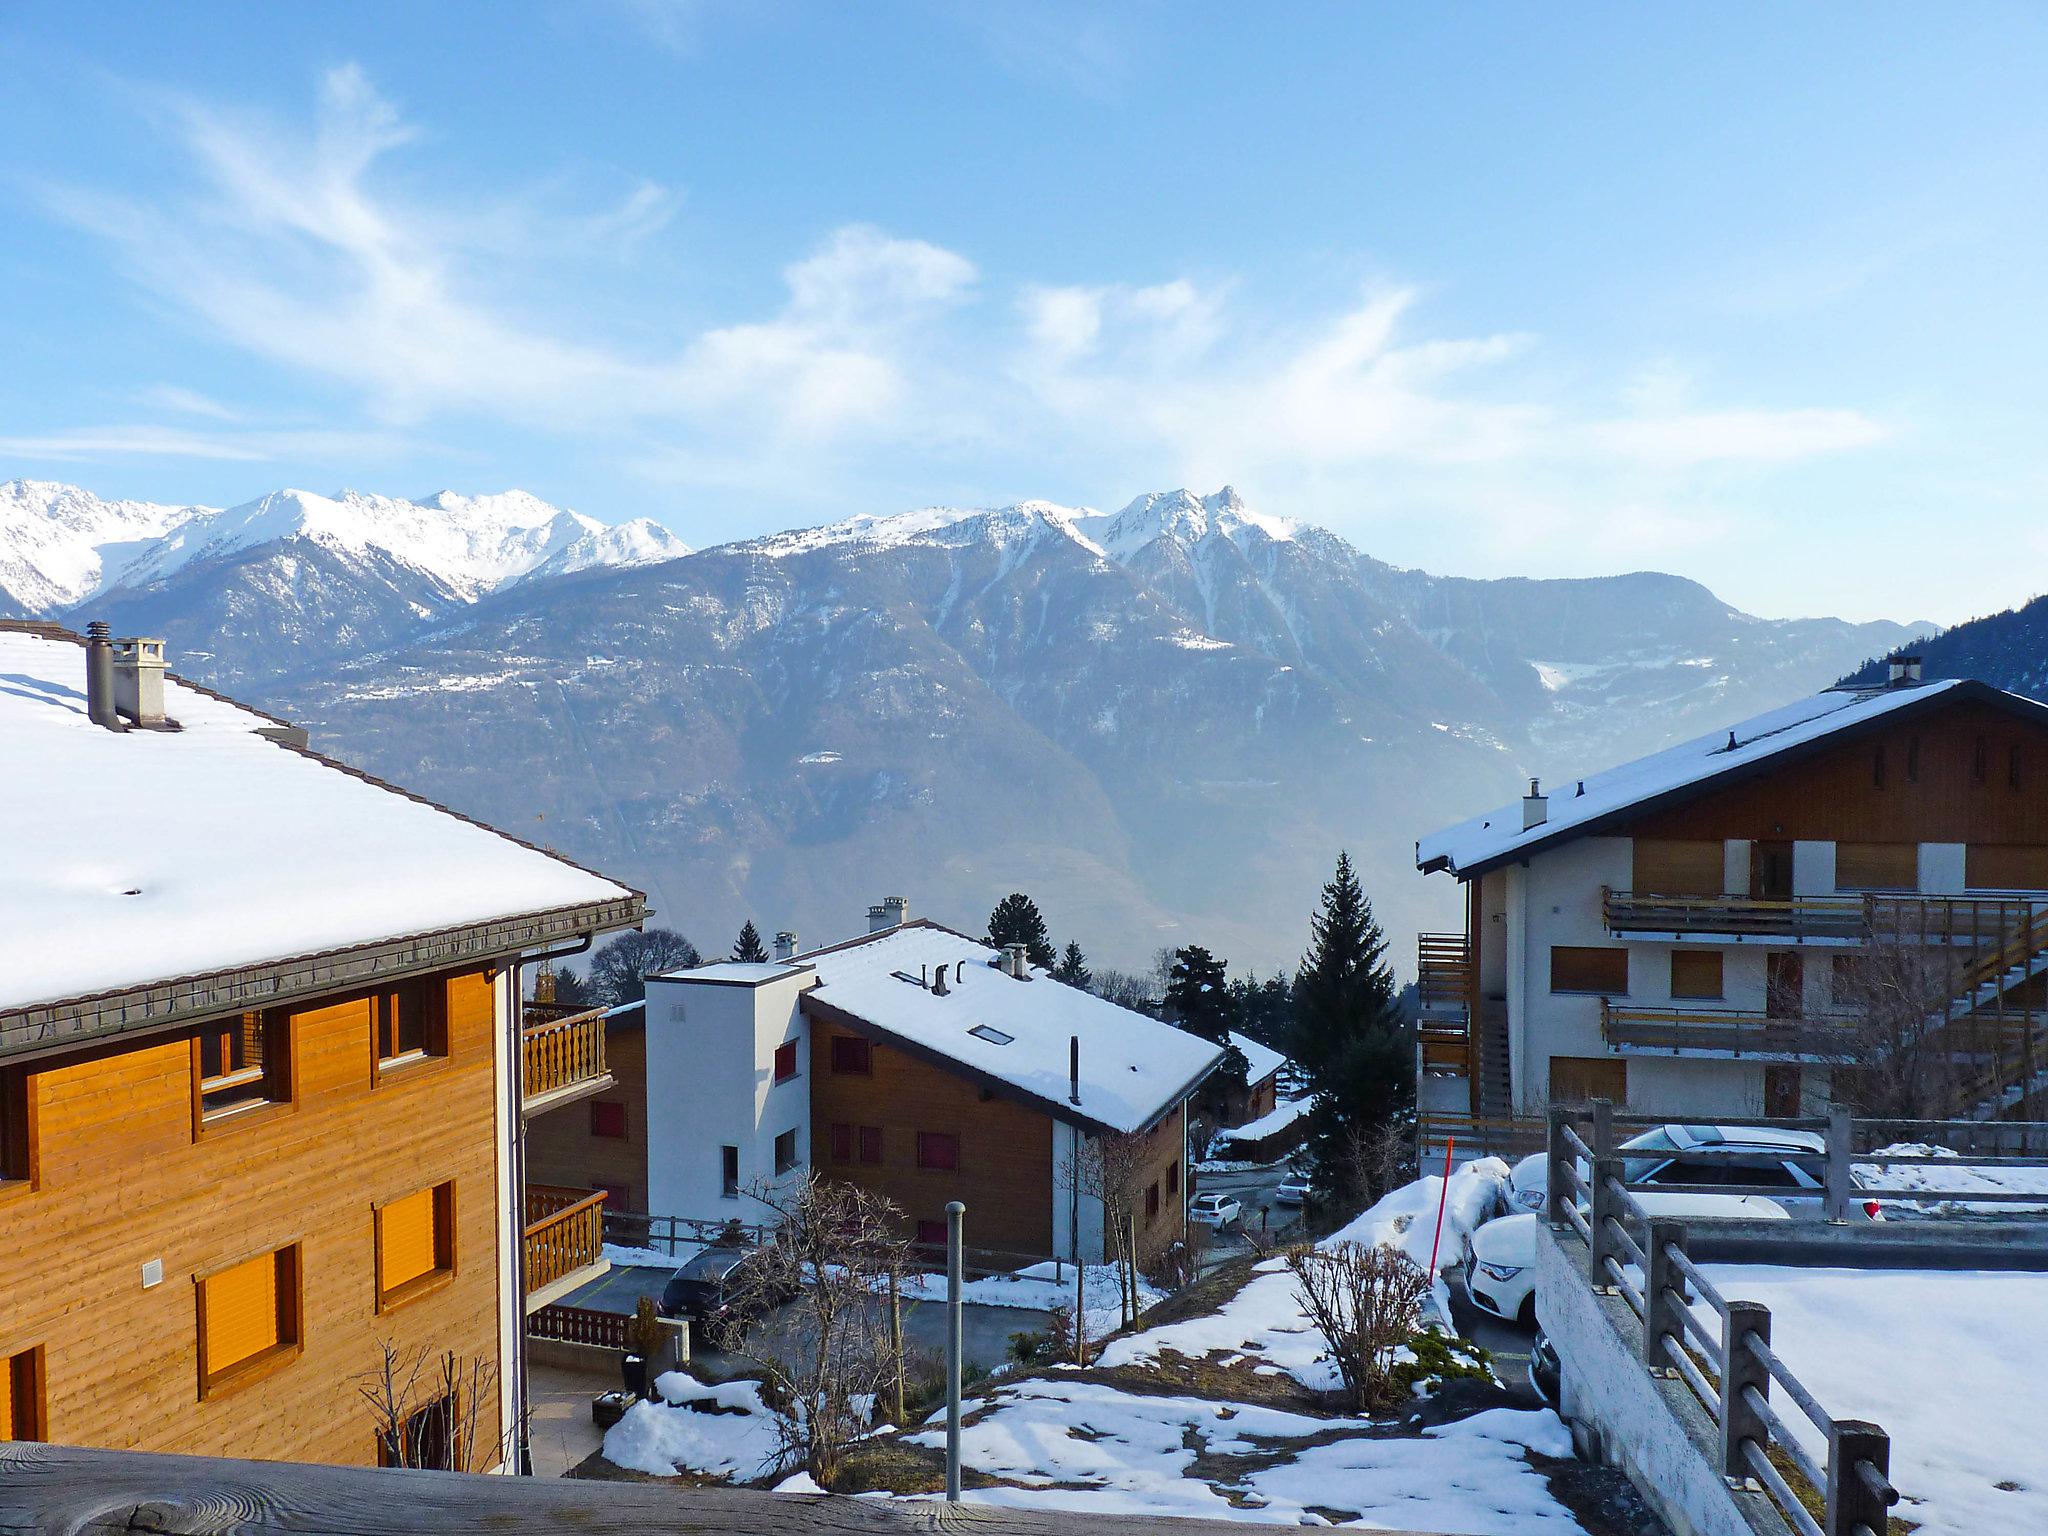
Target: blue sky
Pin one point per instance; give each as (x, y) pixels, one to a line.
(1749, 293)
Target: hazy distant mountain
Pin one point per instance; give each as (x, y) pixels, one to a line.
(1162, 722)
(2007, 650)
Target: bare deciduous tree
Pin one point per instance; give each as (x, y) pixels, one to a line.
(1365, 1301)
(1376, 1159)
(428, 1410)
(1107, 1167)
(834, 1250)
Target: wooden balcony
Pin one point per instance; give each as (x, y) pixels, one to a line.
(1724, 1033)
(564, 1060)
(1443, 985)
(564, 1241)
(1838, 919)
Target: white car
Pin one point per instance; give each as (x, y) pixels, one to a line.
(1215, 1211)
(1292, 1190)
(1500, 1259)
(1696, 1154)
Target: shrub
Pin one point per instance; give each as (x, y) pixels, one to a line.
(1439, 1357)
(1366, 1302)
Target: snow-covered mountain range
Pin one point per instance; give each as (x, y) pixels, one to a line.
(1162, 722)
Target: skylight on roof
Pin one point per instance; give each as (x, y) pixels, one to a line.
(991, 1034)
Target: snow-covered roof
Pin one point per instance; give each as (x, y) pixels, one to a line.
(1133, 1067)
(1260, 1061)
(735, 973)
(139, 856)
(1577, 808)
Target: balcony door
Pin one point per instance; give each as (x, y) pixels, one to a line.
(1770, 871)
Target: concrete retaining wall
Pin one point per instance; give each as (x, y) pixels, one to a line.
(1653, 1429)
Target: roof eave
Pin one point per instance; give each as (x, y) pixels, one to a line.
(41, 1028)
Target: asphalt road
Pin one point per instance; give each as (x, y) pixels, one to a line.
(1254, 1188)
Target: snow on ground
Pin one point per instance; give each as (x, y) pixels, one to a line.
(1264, 1321)
(1956, 1175)
(721, 1429)
(1136, 1454)
(1036, 1287)
(1948, 1362)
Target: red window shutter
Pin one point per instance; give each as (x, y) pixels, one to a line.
(871, 1144)
(842, 1143)
(607, 1119)
(785, 1061)
(938, 1149)
(931, 1234)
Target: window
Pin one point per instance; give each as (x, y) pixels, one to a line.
(785, 1151)
(1173, 1178)
(1877, 866)
(1696, 973)
(729, 1172)
(938, 1149)
(426, 1439)
(992, 1035)
(931, 1234)
(411, 1022)
(842, 1143)
(871, 1144)
(785, 1061)
(21, 1397)
(241, 1063)
(1577, 1079)
(415, 1243)
(1585, 968)
(852, 1054)
(1152, 1200)
(607, 1118)
(1671, 867)
(247, 1314)
(17, 1138)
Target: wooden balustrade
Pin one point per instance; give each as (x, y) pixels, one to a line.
(1730, 1031)
(562, 1053)
(578, 1325)
(1796, 917)
(564, 1233)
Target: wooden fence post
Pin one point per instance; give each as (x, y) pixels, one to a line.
(1855, 1500)
(1741, 1368)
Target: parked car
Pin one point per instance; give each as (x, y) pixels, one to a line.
(1761, 1156)
(1216, 1211)
(1293, 1189)
(1500, 1257)
(717, 1288)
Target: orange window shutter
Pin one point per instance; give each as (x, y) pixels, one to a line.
(407, 1232)
(241, 1313)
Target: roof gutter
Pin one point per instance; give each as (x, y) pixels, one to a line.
(43, 1028)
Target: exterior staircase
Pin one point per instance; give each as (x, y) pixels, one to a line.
(1994, 1020)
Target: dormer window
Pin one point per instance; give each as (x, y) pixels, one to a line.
(991, 1034)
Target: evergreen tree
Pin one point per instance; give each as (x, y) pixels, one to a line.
(1198, 998)
(1016, 921)
(748, 945)
(570, 989)
(1073, 968)
(620, 971)
(1349, 1037)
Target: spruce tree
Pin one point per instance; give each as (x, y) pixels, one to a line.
(748, 945)
(1073, 968)
(1016, 921)
(1199, 999)
(1349, 1038)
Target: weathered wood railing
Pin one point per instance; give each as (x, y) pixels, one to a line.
(564, 1232)
(561, 1053)
(80, 1490)
(1736, 1031)
(578, 1325)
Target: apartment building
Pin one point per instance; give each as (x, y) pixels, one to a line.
(261, 1071)
(924, 1065)
(1692, 933)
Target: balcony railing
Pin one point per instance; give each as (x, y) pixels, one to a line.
(564, 1234)
(563, 1054)
(1839, 918)
(1727, 1032)
(1444, 988)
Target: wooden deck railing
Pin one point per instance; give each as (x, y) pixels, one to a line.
(578, 1325)
(560, 1053)
(564, 1232)
(1735, 1031)
(1795, 917)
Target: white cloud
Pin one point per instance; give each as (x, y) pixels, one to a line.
(186, 402)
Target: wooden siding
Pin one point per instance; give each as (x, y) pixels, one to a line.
(123, 1180)
(1006, 1169)
(561, 1150)
(1835, 796)
(1159, 1151)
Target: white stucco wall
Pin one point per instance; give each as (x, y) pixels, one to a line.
(1941, 868)
(1813, 868)
(1555, 900)
(710, 1084)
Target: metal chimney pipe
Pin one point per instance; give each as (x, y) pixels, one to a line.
(99, 677)
(1074, 1069)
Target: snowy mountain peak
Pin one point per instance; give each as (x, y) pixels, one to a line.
(640, 542)
(60, 544)
(1185, 518)
(932, 524)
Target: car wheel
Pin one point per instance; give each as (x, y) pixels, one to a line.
(1527, 1316)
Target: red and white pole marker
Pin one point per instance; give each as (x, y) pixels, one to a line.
(1442, 1195)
